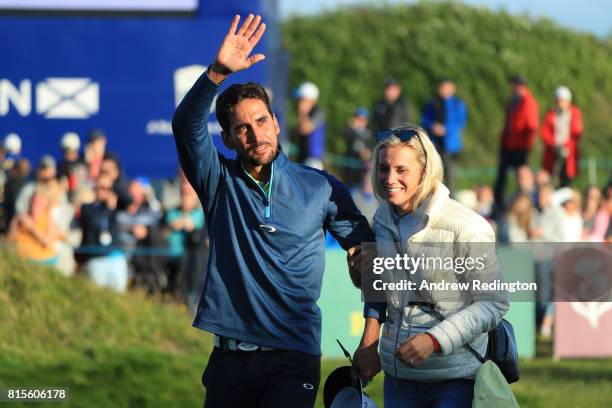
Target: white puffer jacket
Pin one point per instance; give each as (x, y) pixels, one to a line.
(446, 227)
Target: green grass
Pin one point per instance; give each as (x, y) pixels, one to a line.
(110, 350)
(43, 314)
(130, 351)
(147, 378)
(577, 383)
(137, 377)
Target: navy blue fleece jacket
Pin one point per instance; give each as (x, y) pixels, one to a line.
(266, 256)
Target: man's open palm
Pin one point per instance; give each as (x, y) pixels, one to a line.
(233, 55)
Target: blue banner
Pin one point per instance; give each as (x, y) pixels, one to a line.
(121, 73)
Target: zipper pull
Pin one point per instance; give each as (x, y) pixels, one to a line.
(267, 210)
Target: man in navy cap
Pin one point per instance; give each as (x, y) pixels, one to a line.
(359, 146)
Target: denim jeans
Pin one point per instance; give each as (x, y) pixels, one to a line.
(545, 279)
(402, 393)
(109, 271)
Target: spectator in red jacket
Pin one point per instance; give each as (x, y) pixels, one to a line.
(561, 130)
(518, 135)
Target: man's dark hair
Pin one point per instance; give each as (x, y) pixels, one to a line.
(112, 157)
(518, 79)
(234, 95)
(108, 156)
(95, 134)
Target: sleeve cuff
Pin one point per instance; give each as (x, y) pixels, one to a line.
(436, 344)
(208, 77)
(443, 339)
(376, 310)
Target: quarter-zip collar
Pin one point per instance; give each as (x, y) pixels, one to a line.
(277, 165)
(265, 190)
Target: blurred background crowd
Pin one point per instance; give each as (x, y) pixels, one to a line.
(81, 213)
(544, 205)
(75, 208)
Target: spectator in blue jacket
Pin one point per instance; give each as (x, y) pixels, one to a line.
(266, 218)
(444, 118)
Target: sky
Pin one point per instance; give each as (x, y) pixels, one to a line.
(594, 16)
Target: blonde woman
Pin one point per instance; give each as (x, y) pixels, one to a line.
(423, 349)
(520, 219)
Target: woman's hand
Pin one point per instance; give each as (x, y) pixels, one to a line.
(415, 350)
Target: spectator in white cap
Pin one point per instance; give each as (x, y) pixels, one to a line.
(12, 150)
(310, 127)
(72, 166)
(12, 143)
(561, 130)
(71, 142)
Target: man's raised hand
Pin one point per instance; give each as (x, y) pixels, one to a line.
(233, 55)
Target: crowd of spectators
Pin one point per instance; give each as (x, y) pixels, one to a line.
(544, 208)
(82, 215)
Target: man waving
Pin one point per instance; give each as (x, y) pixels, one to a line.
(267, 219)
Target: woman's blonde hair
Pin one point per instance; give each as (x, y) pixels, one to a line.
(429, 158)
(523, 217)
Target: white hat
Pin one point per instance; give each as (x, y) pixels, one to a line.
(561, 196)
(307, 90)
(70, 141)
(12, 143)
(563, 92)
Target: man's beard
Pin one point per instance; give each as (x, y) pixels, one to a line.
(259, 161)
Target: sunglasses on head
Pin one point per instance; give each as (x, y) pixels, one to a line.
(402, 134)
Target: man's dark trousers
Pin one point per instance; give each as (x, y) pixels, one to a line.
(261, 379)
(507, 159)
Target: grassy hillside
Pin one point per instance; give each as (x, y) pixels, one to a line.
(43, 313)
(109, 350)
(128, 351)
(349, 52)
